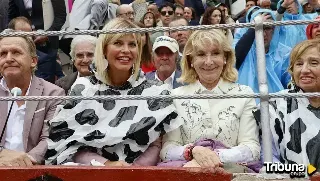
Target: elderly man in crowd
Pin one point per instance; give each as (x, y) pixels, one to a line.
(82, 52)
(24, 140)
(165, 54)
(125, 11)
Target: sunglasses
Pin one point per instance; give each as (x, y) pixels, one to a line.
(163, 13)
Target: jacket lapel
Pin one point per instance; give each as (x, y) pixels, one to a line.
(36, 89)
(177, 75)
(3, 113)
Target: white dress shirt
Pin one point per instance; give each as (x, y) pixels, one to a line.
(168, 81)
(28, 4)
(14, 131)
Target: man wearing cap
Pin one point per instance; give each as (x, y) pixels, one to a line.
(164, 53)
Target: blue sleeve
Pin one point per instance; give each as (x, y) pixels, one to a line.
(285, 76)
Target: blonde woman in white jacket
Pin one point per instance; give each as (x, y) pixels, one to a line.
(208, 68)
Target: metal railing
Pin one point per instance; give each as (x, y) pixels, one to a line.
(262, 76)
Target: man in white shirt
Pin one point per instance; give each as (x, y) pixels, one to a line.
(165, 53)
(24, 139)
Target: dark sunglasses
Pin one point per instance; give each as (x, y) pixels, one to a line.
(163, 13)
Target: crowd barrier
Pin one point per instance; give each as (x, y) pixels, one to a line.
(90, 173)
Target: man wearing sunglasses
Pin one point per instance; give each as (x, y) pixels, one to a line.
(166, 16)
(166, 13)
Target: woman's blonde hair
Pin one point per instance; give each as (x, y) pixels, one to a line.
(106, 39)
(199, 40)
(299, 50)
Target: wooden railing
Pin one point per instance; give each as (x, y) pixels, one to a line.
(67, 173)
(77, 173)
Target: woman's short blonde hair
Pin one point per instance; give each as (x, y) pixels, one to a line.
(199, 40)
(106, 39)
(299, 50)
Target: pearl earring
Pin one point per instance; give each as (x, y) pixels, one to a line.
(191, 65)
(225, 62)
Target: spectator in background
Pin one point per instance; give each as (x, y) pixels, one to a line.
(23, 24)
(277, 56)
(179, 11)
(146, 56)
(291, 35)
(82, 53)
(154, 9)
(33, 11)
(313, 30)
(4, 14)
(24, 141)
(166, 16)
(249, 4)
(190, 16)
(125, 11)
(165, 53)
(166, 13)
(214, 132)
(98, 124)
(307, 8)
(87, 15)
(265, 4)
(180, 36)
(214, 15)
(149, 20)
(225, 10)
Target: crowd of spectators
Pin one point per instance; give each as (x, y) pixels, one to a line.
(158, 132)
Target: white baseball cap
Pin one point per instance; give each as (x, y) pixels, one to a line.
(165, 41)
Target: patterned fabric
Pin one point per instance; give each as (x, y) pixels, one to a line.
(295, 127)
(229, 121)
(115, 129)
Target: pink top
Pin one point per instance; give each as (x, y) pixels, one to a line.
(149, 158)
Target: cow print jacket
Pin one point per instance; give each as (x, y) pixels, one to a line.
(115, 129)
(295, 128)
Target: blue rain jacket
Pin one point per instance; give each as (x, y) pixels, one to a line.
(277, 62)
(291, 35)
(240, 31)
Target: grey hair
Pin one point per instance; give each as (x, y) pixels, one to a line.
(81, 39)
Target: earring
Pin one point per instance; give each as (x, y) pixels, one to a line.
(191, 65)
(105, 64)
(225, 62)
(132, 70)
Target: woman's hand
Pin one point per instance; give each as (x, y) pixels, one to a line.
(116, 164)
(205, 157)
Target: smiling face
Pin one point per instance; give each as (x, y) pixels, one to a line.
(84, 52)
(15, 57)
(208, 62)
(306, 70)
(315, 31)
(122, 53)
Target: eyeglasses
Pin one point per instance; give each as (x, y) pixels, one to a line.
(163, 13)
(81, 56)
(128, 14)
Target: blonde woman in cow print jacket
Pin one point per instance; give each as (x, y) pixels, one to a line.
(113, 132)
(295, 122)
